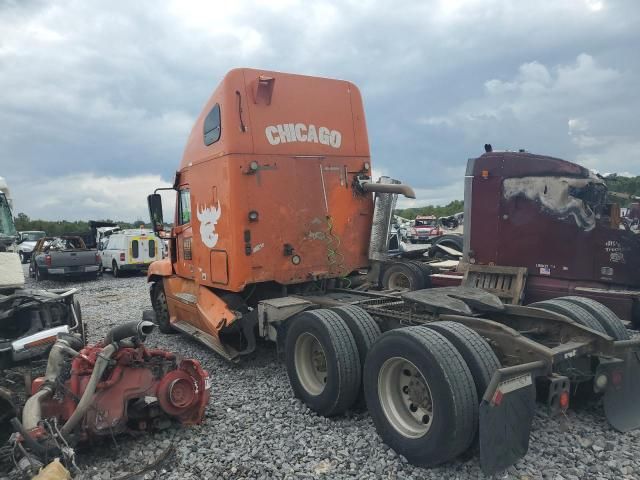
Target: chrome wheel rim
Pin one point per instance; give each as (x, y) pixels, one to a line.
(405, 397)
(311, 363)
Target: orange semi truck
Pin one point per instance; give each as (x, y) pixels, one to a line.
(279, 229)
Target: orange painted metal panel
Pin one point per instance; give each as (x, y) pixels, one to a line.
(275, 192)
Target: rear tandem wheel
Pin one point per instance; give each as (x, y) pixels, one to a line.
(475, 351)
(421, 395)
(322, 361)
(572, 311)
(365, 331)
(609, 320)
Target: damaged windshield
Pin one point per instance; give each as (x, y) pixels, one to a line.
(7, 226)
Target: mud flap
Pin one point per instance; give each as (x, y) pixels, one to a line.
(506, 414)
(623, 394)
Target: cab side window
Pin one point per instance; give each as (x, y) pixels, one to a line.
(212, 127)
(184, 206)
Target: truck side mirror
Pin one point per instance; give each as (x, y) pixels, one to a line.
(155, 212)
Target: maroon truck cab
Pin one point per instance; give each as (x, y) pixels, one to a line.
(553, 217)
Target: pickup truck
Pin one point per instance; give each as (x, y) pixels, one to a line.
(25, 243)
(63, 256)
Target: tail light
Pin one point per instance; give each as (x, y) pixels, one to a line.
(616, 378)
(564, 400)
(47, 260)
(97, 257)
(122, 257)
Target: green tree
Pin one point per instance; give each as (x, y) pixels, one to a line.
(21, 221)
(64, 227)
(456, 206)
(628, 185)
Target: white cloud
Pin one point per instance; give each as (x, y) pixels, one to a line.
(540, 103)
(88, 196)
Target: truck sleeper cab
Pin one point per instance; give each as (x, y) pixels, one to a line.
(269, 198)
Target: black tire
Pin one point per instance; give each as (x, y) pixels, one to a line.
(365, 331)
(454, 420)
(328, 388)
(40, 274)
(115, 270)
(402, 275)
(426, 272)
(449, 240)
(159, 303)
(475, 351)
(609, 320)
(574, 312)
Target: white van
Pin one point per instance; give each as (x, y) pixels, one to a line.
(129, 250)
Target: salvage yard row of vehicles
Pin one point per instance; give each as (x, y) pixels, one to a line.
(130, 250)
(288, 242)
(105, 247)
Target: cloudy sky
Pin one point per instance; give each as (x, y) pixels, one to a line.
(98, 97)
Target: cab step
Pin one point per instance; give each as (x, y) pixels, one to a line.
(203, 337)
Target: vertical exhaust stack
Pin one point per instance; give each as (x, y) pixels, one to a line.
(381, 224)
(384, 204)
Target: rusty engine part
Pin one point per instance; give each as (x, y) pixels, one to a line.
(113, 387)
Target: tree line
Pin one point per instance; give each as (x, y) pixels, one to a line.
(64, 227)
(449, 209)
(629, 185)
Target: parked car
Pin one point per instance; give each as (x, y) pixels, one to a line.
(130, 250)
(63, 256)
(25, 243)
(424, 229)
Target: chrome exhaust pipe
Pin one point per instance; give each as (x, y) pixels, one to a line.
(397, 188)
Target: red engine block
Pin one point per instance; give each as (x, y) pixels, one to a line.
(144, 388)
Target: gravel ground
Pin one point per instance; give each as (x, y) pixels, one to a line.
(254, 428)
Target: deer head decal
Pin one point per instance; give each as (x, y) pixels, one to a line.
(208, 217)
